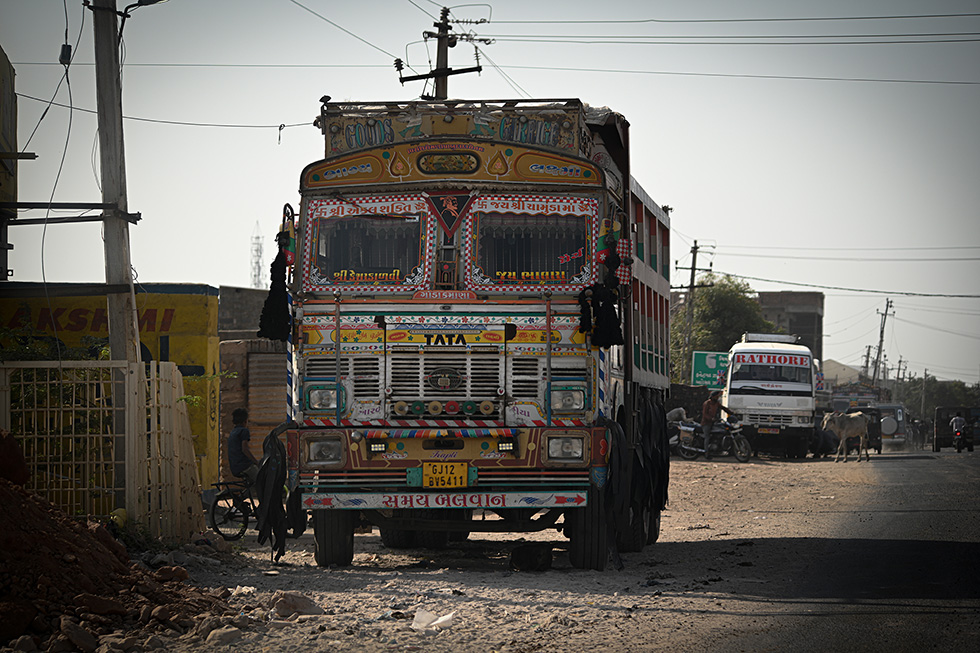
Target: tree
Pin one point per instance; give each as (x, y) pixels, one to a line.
(724, 309)
(937, 393)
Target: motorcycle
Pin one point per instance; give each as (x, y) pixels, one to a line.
(963, 437)
(726, 439)
(678, 429)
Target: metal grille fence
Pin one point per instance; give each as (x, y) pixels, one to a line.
(101, 435)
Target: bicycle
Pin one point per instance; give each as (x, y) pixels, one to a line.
(231, 509)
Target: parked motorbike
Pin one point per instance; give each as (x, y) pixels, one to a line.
(963, 438)
(677, 430)
(726, 439)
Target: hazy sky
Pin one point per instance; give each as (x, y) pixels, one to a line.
(781, 168)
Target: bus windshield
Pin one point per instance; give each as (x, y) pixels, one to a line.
(770, 373)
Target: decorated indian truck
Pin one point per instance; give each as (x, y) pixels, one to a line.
(478, 298)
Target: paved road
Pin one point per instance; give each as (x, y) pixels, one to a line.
(899, 573)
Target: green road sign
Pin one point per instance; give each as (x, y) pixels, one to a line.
(708, 368)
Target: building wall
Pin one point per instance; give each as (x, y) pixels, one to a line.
(799, 313)
(239, 310)
(254, 379)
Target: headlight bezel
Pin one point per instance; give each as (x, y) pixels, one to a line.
(566, 449)
(319, 444)
(332, 393)
(568, 399)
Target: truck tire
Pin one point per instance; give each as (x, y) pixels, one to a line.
(635, 537)
(432, 539)
(333, 535)
(588, 547)
(465, 514)
(396, 538)
(653, 530)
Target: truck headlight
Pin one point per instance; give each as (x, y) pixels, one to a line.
(321, 398)
(324, 451)
(568, 400)
(566, 449)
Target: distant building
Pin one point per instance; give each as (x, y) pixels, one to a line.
(799, 313)
(837, 374)
(238, 312)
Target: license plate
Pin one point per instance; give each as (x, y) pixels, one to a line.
(763, 429)
(440, 475)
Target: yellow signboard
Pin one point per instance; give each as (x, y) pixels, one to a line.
(177, 322)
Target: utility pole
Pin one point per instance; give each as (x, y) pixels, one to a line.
(867, 359)
(123, 333)
(922, 405)
(689, 345)
(881, 341)
(689, 303)
(444, 41)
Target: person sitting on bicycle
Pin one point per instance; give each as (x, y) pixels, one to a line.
(240, 459)
(709, 415)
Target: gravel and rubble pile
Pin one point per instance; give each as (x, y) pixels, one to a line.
(727, 528)
(66, 585)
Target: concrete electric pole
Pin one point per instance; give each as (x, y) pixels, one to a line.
(123, 333)
(881, 342)
(444, 41)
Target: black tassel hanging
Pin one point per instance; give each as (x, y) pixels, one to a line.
(275, 322)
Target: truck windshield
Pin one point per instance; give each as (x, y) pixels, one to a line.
(367, 249)
(533, 249)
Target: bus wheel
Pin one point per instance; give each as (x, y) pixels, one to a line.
(333, 535)
(588, 547)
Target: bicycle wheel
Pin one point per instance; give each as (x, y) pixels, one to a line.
(226, 516)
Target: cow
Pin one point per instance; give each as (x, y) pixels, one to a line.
(846, 426)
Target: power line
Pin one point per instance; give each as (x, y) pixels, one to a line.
(852, 249)
(733, 20)
(606, 41)
(214, 65)
(343, 29)
(701, 37)
(174, 122)
(552, 68)
(507, 78)
(747, 75)
(935, 328)
(852, 259)
(864, 290)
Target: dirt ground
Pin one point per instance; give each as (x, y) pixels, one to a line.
(720, 536)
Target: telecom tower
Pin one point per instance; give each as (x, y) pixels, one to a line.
(257, 276)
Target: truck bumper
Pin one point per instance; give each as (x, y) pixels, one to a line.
(449, 500)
